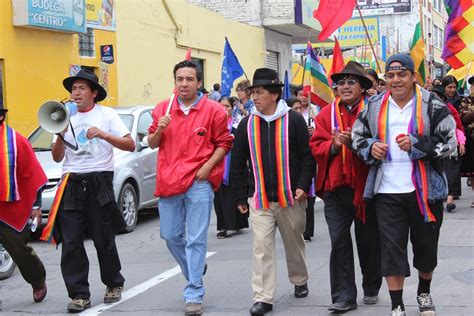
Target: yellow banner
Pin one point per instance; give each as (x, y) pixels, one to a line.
(352, 33)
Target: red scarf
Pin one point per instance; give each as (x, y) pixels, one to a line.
(331, 173)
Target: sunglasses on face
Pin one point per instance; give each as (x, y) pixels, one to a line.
(350, 82)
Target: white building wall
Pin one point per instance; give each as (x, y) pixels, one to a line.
(245, 11)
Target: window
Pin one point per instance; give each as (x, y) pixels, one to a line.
(144, 122)
(273, 60)
(200, 63)
(440, 37)
(87, 44)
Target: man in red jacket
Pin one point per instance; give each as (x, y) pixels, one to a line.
(21, 179)
(193, 138)
(340, 183)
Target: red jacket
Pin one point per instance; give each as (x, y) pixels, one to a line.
(330, 174)
(187, 143)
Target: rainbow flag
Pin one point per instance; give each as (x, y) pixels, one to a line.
(459, 34)
(417, 52)
(315, 80)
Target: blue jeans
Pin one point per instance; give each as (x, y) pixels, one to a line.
(184, 223)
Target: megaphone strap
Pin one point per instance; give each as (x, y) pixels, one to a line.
(68, 144)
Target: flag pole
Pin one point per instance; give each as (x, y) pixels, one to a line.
(368, 37)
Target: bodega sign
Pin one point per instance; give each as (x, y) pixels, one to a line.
(59, 15)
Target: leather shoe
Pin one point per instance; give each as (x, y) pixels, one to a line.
(301, 290)
(342, 307)
(39, 292)
(260, 308)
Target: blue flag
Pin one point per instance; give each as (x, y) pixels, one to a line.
(286, 88)
(231, 70)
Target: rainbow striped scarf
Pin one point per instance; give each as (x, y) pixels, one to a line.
(282, 157)
(419, 175)
(47, 234)
(8, 163)
(226, 179)
(336, 123)
(383, 126)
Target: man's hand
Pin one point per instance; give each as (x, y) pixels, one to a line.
(203, 172)
(462, 149)
(95, 132)
(36, 213)
(346, 138)
(164, 122)
(371, 92)
(336, 141)
(379, 150)
(243, 209)
(403, 142)
(300, 195)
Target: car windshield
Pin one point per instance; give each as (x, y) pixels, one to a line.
(42, 140)
(127, 119)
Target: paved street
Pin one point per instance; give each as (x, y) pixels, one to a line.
(144, 257)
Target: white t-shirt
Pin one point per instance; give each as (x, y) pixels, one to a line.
(309, 114)
(396, 174)
(93, 154)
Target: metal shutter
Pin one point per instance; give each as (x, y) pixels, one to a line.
(273, 62)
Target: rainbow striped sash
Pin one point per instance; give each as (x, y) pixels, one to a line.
(336, 123)
(282, 157)
(8, 162)
(383, 124)
(47, 234)
(419, 175)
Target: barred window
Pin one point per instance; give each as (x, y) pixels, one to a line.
(86, 43)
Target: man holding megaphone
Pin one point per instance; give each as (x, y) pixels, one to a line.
(87, 202)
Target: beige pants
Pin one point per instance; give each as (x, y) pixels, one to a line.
(291, 223)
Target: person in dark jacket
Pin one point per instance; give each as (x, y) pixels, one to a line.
(340, 183)
(274, 140)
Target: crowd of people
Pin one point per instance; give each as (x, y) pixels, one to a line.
(384, 155)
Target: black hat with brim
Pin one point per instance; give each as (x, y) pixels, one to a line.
(265, 77)
(89, 76)
(355, 69)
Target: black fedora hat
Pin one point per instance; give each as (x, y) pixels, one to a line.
(355, 69)
(265, 77)
(2, 109)
(90, 77)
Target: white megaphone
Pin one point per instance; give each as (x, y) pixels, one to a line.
(53, 116)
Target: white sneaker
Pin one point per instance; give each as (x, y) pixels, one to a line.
(398, 311)
(425, 304)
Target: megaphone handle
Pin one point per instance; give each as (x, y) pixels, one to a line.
(68, 144)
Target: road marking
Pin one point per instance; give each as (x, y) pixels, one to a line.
(140, 288)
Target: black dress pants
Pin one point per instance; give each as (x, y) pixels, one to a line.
(340, 213)
(88, 218)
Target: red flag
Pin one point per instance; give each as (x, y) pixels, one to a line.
(188, 54)
(332, 14)
(337, 61)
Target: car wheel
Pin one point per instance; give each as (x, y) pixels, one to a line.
(7, 266)
(128, 205)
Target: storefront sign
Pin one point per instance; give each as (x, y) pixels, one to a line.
(100, 14)
(60, 15)
(107, 54)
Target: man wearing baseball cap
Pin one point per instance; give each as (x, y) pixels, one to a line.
(404, 134)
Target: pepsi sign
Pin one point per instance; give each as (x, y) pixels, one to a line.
(107, 54)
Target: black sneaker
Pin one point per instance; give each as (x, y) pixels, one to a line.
(425, 304)
(221, 234)
(342, 307)
(78, 305)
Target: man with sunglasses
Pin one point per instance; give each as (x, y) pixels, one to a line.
(340, 183)
(404, 134)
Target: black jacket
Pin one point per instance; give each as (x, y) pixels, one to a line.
(302, 164)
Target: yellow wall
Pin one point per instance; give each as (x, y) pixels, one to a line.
(147, 50)
(35, 63)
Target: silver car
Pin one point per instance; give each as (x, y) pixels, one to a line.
(134, 174)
